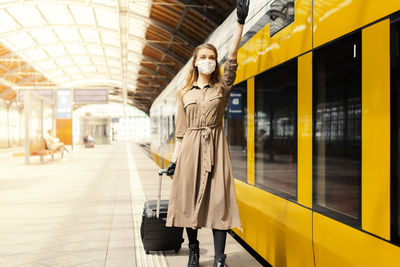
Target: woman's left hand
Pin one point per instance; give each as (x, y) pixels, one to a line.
(242, 10)
(171, 168)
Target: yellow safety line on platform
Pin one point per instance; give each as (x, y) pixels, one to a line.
(138, 200)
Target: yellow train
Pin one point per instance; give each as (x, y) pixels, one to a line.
(313, 126)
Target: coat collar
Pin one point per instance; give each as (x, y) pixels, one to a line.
(197, 87)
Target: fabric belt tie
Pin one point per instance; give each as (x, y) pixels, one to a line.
(209, 143)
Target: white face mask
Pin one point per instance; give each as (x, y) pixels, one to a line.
(206, 66)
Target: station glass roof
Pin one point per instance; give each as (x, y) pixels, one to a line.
(134, 48)
(75, 43)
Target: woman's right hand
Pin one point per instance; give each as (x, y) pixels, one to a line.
(242, 9)
(171, 168)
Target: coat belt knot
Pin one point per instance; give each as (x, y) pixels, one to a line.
(206, 132)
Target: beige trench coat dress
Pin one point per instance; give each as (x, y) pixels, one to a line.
(203, 192)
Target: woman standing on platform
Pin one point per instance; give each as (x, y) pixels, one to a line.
(203, 192)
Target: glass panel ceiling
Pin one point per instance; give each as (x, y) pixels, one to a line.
(74, 42)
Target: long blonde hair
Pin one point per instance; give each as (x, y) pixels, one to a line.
(193, 74)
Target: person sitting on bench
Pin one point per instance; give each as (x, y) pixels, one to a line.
(53, 143)
(88, 141)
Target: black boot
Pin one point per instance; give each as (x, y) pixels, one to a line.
(219, 261)
(194, 255)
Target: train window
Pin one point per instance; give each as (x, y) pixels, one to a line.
(337, 129)
(276, 130)
(281, 14)
(395, 127)
(235, 123)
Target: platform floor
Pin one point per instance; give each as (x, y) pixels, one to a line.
(85, 210)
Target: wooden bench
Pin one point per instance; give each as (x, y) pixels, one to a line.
(88, 145)
(37, 147)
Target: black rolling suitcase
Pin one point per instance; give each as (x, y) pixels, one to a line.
(155, 235)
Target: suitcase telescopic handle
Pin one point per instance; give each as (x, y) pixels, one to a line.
(160, 174)
(161, 171)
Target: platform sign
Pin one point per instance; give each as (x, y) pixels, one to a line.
(235, 105)
(46, 93)
(87, 96)
(64, 104)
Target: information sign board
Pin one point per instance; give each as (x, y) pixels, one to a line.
(235, 105)
(64, 104)
(46, 93)
(85, 96)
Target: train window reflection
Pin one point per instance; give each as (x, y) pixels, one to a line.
(281, 14)
(395, 127)
(276, 130)
(235, 123)
(337, 129)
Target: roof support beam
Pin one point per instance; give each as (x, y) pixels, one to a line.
(8, 70)
(145, 85)
(165, 51)
(154, 73)
(213, 19)
(123, 7)
(17, 71)
(162, 65)
(173, 35)
(6, 83)
(152, 91)
(152, 82)
(150, 94)
(171, 30)
(5, 92)
(151, 76)
(142, 97)
(30, 78)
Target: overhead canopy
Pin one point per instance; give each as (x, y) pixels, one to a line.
(133, 47)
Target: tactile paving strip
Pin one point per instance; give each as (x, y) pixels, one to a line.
(138, 200)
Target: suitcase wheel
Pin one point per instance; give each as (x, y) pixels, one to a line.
(177, 249)
(147, 251)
